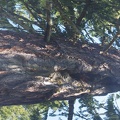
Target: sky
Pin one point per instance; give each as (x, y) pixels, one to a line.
(101, 99)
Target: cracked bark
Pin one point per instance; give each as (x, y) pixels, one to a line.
(28, 72)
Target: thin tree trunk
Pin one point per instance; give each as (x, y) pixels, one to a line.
(48, 30)
(82, 15)
(71, 109)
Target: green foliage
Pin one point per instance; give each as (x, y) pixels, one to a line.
(90, 105)
(111, 112)
(89, 109)
(81, 19)
(13, 113)
(40, 111)
(31, 112)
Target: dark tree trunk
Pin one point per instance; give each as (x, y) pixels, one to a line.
(49, 21)
(32, 71)
(83, 13)
(71, 109)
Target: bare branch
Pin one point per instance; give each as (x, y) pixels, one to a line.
(82, 15)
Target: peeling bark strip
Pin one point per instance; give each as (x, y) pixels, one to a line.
(32, 71)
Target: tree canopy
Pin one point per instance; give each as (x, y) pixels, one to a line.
(81, 20)
(86, 108)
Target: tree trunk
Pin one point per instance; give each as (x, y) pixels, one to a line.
(32, 71)
(71, 109)
(49, 21)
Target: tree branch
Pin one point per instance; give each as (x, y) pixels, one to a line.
(82, 15)
(35, 17)
(26, 5)
(49, 25)
(49, 73)
(61, 10)
(14, 17)
(114, 37)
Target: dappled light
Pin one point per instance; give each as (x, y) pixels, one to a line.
(59, 59)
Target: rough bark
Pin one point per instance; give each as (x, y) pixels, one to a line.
(32, 71)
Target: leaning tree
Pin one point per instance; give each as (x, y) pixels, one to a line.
(58, 50)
